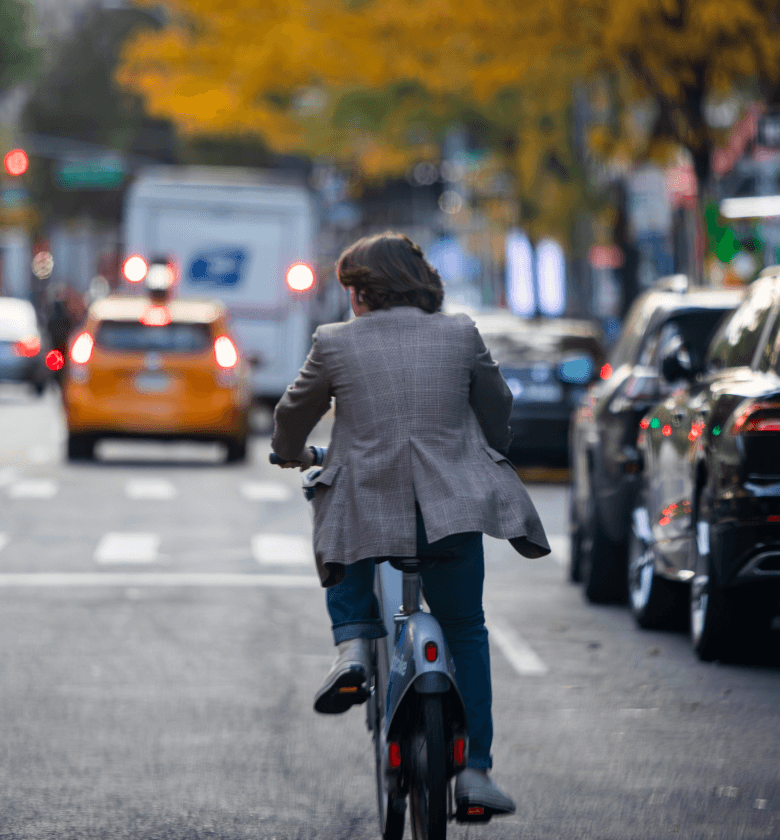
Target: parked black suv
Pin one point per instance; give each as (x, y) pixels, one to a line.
(605, 463)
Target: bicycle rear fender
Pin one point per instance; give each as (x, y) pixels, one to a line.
(411, 674)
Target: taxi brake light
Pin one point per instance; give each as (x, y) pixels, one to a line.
(135, 268)
(225, 352)
(758, 417)
(300, 277)
(28, 347)
(55, 360)
(156, 316)
(81, 350)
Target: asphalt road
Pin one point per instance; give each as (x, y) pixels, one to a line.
(163, 633)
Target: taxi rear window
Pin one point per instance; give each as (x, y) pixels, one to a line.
(133, 336)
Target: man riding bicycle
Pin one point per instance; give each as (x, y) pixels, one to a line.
(417, 462)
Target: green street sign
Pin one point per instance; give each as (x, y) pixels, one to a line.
(103, 173)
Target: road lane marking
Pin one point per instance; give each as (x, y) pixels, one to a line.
(7, 476)
(3, 541)
(560, 545)
(33, 488)
(127, 548)
(516, 650)
(282, 550)
(150, 488)
(266, 491)
(241, 581)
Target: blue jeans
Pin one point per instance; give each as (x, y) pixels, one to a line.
(453, 592)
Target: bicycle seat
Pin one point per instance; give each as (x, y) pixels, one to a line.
(406, 564)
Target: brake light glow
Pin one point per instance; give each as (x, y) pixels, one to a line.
(606, 371)
(759, 417)
(81, 350)
(225, 352)
(135, 268)
(644, 423)
(28, 347)
(300, 277)
(459, 751)
(431, 651)
(394, 754)
(667, 430)
(156, 316)
(55, 360)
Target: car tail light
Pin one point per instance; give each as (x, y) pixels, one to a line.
(135, 268)
(28, 347)
(55, 360)
(431, 651)
(606, 371)
(758, 417)
(300, 277)
(156, 316)
(81, 349)
(225, 352)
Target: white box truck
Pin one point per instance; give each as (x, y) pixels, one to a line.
(246, 237)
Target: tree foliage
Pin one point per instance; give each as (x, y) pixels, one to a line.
(377, 82)
(18, 55)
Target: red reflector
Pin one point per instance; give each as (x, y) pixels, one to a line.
(644, 423)
(431, 651)
(475, 810)
(55, 360)
(606, 371)
(459, 751)
(773, 518)
(394, 754)
(667, 430)
(27, 347)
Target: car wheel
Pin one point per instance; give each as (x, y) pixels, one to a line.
(236, 450)
(573, 571)
(81, 447)
(601, 569)
(655, 601)
(710, 616)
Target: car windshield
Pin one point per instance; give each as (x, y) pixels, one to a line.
(133, 336)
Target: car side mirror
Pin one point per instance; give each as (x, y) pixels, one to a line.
(675, 367)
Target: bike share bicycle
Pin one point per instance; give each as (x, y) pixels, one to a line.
(414, 709)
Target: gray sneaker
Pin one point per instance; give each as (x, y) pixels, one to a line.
(477, 798)
(345, 685)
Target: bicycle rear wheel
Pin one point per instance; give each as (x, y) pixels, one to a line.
(428, 792)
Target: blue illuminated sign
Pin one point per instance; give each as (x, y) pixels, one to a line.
(217, 267)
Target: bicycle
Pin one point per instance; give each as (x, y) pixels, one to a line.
(414, 709)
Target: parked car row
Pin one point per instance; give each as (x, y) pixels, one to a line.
(676, 467)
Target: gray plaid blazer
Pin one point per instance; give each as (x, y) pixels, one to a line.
(421, 412)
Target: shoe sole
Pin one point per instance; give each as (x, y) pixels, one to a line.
(347, 691)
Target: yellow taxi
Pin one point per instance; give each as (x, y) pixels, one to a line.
(150, 365)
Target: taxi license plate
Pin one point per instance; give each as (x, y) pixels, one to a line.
(152, 383)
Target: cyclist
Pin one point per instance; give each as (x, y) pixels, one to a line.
(417, 458)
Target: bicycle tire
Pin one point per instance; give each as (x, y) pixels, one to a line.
(428, 794)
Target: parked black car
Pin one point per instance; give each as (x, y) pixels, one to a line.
(605, 463)
(548, 364)
(706, 523)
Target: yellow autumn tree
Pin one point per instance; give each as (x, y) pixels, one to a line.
(288, 70)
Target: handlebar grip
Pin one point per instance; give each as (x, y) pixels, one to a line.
(273, 458)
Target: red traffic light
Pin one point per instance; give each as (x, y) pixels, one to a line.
(16, 162)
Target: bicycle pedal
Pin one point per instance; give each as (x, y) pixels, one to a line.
(473, 813)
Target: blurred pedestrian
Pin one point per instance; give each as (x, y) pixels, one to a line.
(416, 466)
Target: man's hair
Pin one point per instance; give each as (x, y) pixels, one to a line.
(388, 270)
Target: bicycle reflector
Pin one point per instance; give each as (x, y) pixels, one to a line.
(431, 651)
(394, 755)
(459, 752)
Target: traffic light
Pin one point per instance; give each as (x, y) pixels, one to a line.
(721, 238)
(16, 162)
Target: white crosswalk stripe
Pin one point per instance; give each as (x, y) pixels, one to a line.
(150, 488)
(118, 547)
(282, 550)
(33, 488)
(266, 491)
(133, 579)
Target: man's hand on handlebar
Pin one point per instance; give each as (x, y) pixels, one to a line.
(304, 460)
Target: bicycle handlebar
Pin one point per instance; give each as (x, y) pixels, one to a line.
(317, 451)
